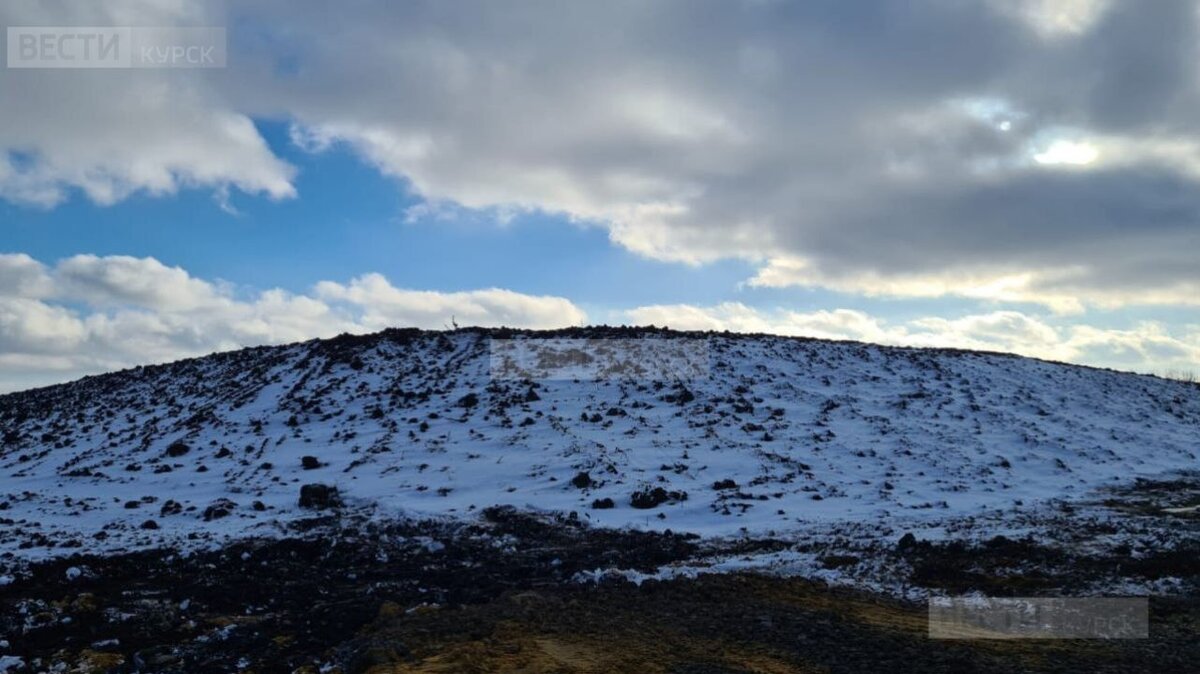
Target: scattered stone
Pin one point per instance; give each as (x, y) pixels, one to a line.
(374, 655)
(645, 499)
(319, 496)
(219, 508)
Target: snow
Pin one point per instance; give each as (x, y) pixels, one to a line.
(815, 435)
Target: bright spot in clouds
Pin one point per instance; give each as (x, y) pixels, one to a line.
(1068, 152)
(943, 168)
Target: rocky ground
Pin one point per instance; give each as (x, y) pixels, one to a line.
(516, 592)
(361, 505)
(720, 435)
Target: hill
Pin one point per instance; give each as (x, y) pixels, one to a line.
(713, 433)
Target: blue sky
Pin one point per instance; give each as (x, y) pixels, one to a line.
(1031, 189)
(348, 219)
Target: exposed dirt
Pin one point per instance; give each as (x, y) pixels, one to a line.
(367, 598)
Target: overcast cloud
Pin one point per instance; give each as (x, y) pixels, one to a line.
(1046, 153)
(985, 139)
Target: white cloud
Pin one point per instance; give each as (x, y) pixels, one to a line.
(120, 280)
(737, 317)
(383, 305)
(953, 185)
(1054, 19)
(1147, 347)
(88, 314)
(33, 327)
(1067, 152)
(138, 311)
(23, 276)
(1065, 291)
(878, 147)
(111, 133)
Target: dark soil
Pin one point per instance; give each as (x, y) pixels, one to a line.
(499, 595)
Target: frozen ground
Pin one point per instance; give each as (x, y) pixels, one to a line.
(721, 435)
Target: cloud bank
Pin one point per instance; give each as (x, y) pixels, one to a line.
(1148, 346)
(1017, 151)
(88, 314)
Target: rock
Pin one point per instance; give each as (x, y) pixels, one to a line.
(177, 449)
(582, 480)
(170, 507)
(724, 484)
(319, 496)
(96, 662)
(150, 525)
(309, 463)
(86, 602)
(603, 504)
(374, 655)
(838, 561)
(219, 508)
(645, 499)
(156, 658)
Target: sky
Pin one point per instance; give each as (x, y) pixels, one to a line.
(1011, 175)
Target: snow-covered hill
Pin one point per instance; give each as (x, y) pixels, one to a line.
(713, 433)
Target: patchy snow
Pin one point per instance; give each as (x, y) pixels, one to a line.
(768, 436)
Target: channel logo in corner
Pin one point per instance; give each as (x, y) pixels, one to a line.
(115, 47)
